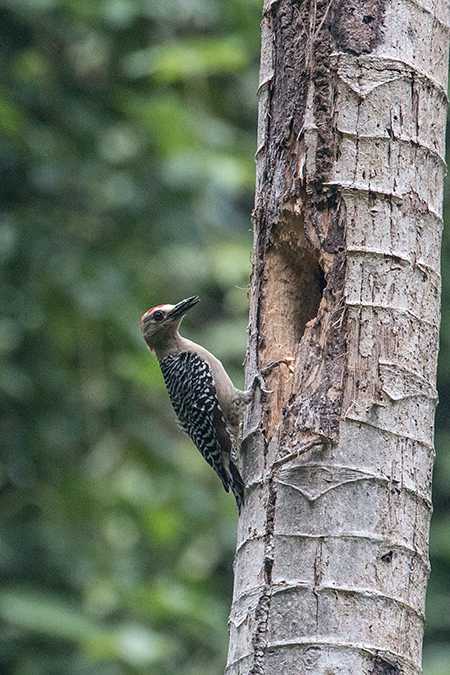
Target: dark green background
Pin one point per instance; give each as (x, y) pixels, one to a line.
(127, 134)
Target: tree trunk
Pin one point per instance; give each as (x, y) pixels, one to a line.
(332, 554)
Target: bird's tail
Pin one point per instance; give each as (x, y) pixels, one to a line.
(237, 485)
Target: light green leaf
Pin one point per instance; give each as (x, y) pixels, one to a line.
(180, 59)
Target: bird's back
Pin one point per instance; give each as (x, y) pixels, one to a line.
(190, 384)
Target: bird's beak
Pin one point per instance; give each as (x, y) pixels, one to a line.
(182, 307)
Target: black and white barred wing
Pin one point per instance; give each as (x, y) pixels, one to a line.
(192, 391)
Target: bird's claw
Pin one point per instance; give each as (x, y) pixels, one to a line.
(262, 385)
(288, 361)
(258, 380)
(267, 369)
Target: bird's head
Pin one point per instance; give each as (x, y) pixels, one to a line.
(160, 324)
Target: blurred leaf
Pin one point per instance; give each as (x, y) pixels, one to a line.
(57, 618)
(187, 58)
(50, 615)
(12, 119)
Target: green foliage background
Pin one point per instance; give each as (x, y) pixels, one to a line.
(127, 134)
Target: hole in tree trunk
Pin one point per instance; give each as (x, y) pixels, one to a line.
(294, 288)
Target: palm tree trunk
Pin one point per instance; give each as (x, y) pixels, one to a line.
(332, 554)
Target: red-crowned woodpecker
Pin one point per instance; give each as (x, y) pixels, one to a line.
(207, 404)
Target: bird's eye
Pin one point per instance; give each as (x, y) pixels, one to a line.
(158, 316)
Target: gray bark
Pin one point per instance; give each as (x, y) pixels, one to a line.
(332, 554)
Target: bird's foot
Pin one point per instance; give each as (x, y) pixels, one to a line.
(259, 379)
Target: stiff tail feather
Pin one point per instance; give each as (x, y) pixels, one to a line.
(237, 485)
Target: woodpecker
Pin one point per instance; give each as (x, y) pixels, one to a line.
(207, 404)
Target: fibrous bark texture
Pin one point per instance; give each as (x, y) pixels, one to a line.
(332, 554)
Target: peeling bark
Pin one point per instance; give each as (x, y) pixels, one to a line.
(332, 555)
